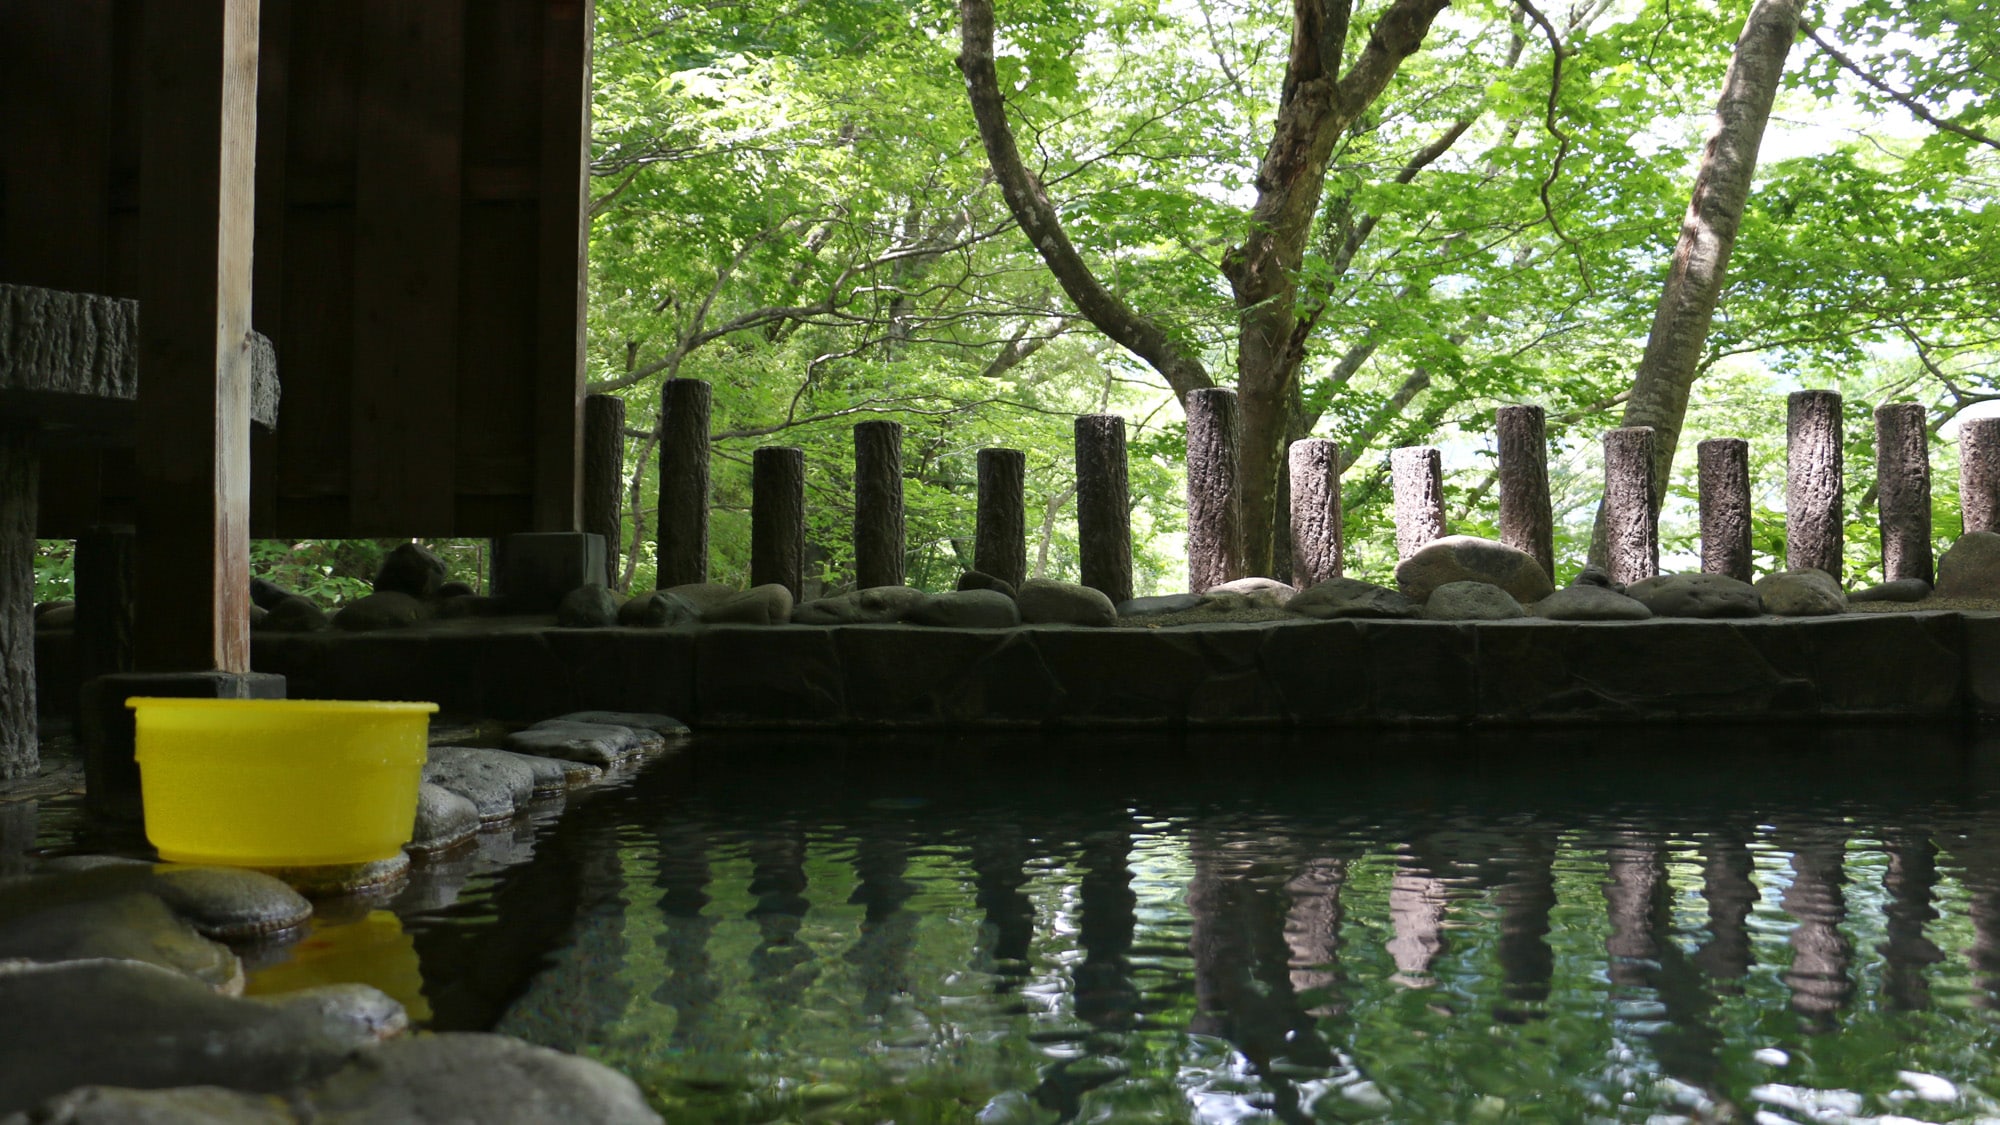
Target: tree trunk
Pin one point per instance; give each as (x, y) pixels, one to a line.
(1679, 335)
(20, 753)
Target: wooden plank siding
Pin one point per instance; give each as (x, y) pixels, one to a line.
(419, 249)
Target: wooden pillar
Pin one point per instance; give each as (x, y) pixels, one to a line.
(1903, 490)
(1814, 534)
(1000, 530)
(878, 504)
(1416, 477)
(604, 475)
(682, 524)
(1979, 474)
(1723, 470)
(1215, 503)
(103, 603)
(1526, 521)
(1631, 523)
(1316, 530)
(197, 184)
(20, 753)
(778, 518)
(1103, 506)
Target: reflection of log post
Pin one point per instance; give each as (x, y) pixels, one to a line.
(1103, 506)
(778, 517)
(1727, 888)
(682, 525)
(1527, 964)
(1821, 954)
(1215, 505)
(1903, 490)
(1635, 879)
(999, 856)
(1315, 507)
(1979, 474)
(1417, 907)
(881, 955)
(1723, 471)
(689, 986)
(1000, 529)
(878, 504)
(1813, 531)
(604, 475)
(1909, 882)
(1526, 521)
(1105, 995)
(1312, 932)
(1631, 522)
(20, 754)
(1416, 476)
(1978, 857)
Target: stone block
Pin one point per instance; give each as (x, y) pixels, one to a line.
(912, 675)
(534, 569)
(1120, 677)
(766, 675)
(1320, 670)
(1981, 634)
(111, 774)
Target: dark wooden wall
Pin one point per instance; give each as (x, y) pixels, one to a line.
(419, 250)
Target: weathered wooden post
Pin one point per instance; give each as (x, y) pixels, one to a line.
(1000, 528)
(1316, 530)
(1416, 474)
(1631, 522)
(681, 529)
(1215, 505)
(778, 517)
(1979, 474)
(103, 602)
(1814, 535)
(1526, 521)
(1903, 490)
(20, 752)
(878, 504)
(604, 475)
(1723, 472)
(1103, 506)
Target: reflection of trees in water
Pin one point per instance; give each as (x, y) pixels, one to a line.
(1821, 954)
(1726, 886)
(781, 966)
(1525, 897)
(998, 853)
(1312, 933)
(1105, 997)
(1909, 881)
(881, 953)
(682, 877)
(1977, 851)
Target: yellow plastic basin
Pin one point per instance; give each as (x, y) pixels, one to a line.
(279, 782)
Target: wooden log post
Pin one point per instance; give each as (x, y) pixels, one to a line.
(681, 528)
(1632, 523)
(878, 504)
(1416, 476)
(1814, 535)
(778, 518)
(1722, 468)
(1103, 506)
(1527, 523)
(604, 475)
(1314, 465)
(1903, 490)
(103, 603)
(1215, 504)
(20, 754)
(1000, 528)
(1979, 474)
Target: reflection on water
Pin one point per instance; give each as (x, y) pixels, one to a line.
(1614, 926)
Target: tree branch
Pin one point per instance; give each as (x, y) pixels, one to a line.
(1907, 101)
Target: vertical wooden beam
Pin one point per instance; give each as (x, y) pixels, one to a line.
(1723, 471)
(1632, 523)
(1527, 523)
(1903, 490)
(20, 752)
(1215, 501)
(680, 528)
(563, 240)
(778, 517)
(1979, 474)
(604, 476)
(1103, 507)
(1315, 511)
(878, 504)
(193, 431)
(1000, 526)
(1814, 532)
(1416, 478)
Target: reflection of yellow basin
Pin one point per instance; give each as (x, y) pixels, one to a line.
(373, 951)
(279, 782)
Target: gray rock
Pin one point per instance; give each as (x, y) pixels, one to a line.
(1046, 602)
(980, 580)
(666, 726)
(1901, 590)
(187, 1105)
(597, 744)
(703, 596)
(1158, 605)
(1468, 558)
(497, 783)
(364, 1010)
(877, 605)
(1801, 593)
(654, 609)
(413, 569)
(1259, 591)
(464, 1076)
(267, 594)
(228, 903)
(1593, 575)
(1471, 601)
(55, 615)
(473, 605)
(968, 609)
(1591, 602)
(1351, 597)
(127, 927)
(122, 1023)
(551, 775)
(388, 609)
(1970, 568)
(338, 880)
(455, 590)
(590, 606)
(444, 820)
(293, 614)
(769, 604)
(1696, 595)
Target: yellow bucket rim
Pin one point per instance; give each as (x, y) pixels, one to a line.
(291, 706)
